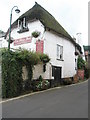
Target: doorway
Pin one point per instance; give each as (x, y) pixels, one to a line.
(57, 73)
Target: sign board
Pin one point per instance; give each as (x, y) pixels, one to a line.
(22, 41)
(39, 46)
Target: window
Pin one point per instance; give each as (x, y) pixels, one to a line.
(59, 52)
(22, 25)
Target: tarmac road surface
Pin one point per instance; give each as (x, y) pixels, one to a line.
(66, 102)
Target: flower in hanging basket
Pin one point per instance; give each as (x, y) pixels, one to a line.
(44, 58)
(35, 34)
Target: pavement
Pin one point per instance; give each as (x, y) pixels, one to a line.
(61, 102)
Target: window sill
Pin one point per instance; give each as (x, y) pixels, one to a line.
(60, 59)
(23, 30)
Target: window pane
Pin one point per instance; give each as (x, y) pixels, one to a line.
(59, 52)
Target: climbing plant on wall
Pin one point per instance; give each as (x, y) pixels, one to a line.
(12, 63)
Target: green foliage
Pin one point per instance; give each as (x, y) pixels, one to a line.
(42, 84)
(87, 73)
(44, 58)
(40, 78)
(11, 75)
(32, 57)
(80, 63)
(35, 34)
(12, 63)
(67, 81)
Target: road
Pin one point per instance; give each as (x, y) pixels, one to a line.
(66, 102)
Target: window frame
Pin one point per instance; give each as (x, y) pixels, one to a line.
(59, 52)
(22, 25)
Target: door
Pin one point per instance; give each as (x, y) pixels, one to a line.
(56, 73)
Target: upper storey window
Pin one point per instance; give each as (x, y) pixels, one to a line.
(22, 26)
(59, 52)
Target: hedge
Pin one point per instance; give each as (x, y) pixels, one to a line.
(12, 63)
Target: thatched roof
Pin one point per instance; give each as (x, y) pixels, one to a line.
(38, 12)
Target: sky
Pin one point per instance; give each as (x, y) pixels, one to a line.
(71, 14)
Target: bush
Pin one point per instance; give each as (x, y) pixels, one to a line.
(86, 74)
(11, 75)
(40, 78)
(27, 85)
(44, 58)
(80, 63)
(67, 81)
(12, 63)
(40, 84)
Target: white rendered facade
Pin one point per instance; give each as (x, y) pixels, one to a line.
(50, 41)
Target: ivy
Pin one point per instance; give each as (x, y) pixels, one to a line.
(12, 63)
(11, 75)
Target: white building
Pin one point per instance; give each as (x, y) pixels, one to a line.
(3, 42)
(53, 40)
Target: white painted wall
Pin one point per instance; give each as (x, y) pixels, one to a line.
(50, 44)
(69, 58)
(50, 48)
(35, 25)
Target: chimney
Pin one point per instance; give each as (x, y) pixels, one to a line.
(79, 40)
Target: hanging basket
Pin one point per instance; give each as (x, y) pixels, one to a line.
(35, 34)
